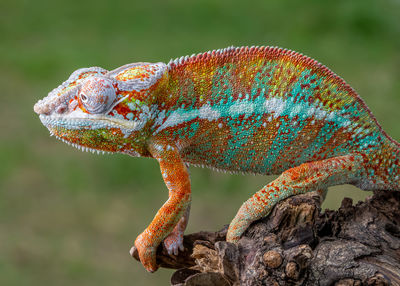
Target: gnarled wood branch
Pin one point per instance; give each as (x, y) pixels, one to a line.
(298, 245)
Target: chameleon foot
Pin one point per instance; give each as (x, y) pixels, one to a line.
(174, 242)
(147, 253)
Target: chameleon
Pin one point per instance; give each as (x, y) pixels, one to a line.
(259, 110)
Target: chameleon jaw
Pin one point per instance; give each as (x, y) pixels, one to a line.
(69, 128)
(84, 121)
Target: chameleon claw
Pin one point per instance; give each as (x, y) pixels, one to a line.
(133, 251)
(173, 243)
(173, 247)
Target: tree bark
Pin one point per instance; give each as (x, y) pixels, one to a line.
(298, 245)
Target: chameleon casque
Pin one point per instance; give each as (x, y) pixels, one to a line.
(260, 110)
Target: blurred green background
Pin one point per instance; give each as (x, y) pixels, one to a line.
(69, 218)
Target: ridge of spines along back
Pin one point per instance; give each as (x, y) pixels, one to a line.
(279, 53)
(270, 52)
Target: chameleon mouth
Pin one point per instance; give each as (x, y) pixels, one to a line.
(86, 121)
(68, 135)
(85, 131)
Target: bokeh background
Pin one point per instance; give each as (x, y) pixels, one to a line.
(69, 218)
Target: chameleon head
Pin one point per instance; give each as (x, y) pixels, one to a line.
(100, 110)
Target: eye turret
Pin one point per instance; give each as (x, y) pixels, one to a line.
(97, 94)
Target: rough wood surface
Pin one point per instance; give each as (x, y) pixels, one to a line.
(298, 245)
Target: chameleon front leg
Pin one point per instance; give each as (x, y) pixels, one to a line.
(176, 178)
(313, 176)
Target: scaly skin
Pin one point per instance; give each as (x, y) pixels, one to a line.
(256, 110)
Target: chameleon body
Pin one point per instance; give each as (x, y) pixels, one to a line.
(260, 110)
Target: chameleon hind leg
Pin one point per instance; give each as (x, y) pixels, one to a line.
(312, 176)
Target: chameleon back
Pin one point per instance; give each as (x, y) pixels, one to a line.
(264, 110)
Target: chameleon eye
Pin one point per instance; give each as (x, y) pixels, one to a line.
(83, 97)
(97, 95)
